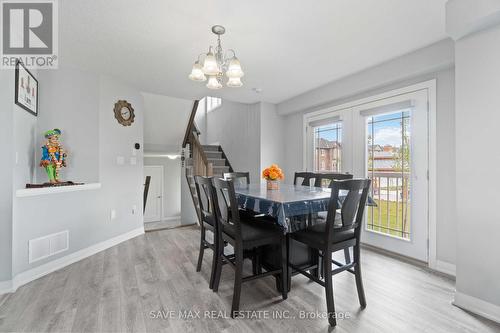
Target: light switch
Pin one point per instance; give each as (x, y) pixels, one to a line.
(120, 160)
(113, 214)
(133, 161)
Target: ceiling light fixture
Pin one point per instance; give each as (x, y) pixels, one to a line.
(216, 63)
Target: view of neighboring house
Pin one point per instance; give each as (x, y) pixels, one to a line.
(384, 157)
(328, 155)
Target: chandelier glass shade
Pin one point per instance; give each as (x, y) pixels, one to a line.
(234, 82)
(216, 64)
(213, 83)
(197, 73)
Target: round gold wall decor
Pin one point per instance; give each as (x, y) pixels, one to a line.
(124, 112)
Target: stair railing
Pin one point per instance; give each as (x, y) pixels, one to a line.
(201, 166)
(200, 163)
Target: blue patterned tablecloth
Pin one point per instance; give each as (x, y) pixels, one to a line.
(288, 204)
(284, 204)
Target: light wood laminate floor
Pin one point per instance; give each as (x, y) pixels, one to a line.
(133, 286)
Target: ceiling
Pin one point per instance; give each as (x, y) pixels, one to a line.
(286, 47)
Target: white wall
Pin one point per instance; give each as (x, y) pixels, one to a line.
(477, 179)
(171, 186)
(236, 127)
(85, 214)
(165, 121)
(464, 17)
(426, 60)
(18, 129)
(272, 136)
(25, 132)
(6, 172)
(446, 218)
(66, 103)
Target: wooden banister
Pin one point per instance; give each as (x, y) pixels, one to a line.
(197, 146)
(189, 129)
(201, 165)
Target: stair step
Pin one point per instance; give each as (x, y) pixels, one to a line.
(210, 148)
(217, 161)
(214, 154)
(219, 170)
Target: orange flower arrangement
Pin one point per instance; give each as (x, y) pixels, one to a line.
(273, 173)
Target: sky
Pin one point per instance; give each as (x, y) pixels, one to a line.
(387, 132)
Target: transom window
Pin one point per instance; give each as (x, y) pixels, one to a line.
(213, 103)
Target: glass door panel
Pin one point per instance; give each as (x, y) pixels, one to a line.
(389, 168)
(328, 148)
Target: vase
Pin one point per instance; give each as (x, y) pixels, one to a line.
(273, 185)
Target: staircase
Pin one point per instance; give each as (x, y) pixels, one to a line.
(201, 160)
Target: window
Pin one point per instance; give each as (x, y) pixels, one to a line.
(328, 147)
(213, 103)
(388, 165)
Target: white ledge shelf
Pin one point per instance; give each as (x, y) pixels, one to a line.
(31, 192)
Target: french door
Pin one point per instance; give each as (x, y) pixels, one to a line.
(385, 140)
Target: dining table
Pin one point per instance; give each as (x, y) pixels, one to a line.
(289, 203)
(285, 204)
(292, 207)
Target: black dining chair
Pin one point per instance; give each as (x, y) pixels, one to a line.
(242, 234)
(243, 179)
(325, 179)
(336, 234)
(306, 178)
(204, 195)
(303, 178)
(240, 178)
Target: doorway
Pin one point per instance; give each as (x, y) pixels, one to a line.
(154, 203)
(394, 155)
(389, 139)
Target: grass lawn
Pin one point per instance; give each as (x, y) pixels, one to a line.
(381, 222)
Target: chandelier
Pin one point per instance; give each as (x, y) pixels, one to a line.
(216, 63)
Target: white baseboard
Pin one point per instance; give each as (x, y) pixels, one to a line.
(445, 267)
(42, 270)
(166, 219)
(477, 306)
(6, 287)
(171, 218)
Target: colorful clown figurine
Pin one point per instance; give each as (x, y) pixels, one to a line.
(53, 155)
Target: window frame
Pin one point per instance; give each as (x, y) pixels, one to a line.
(209, 102)
(322, 154)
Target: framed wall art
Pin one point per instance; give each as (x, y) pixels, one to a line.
(26, 89)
